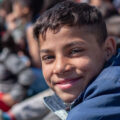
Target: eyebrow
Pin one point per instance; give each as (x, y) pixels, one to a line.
(65, 47)
(73, 43)
(45, 51)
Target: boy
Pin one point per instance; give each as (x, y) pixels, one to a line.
(77, 60)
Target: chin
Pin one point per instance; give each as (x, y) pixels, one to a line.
(66, 96)
(68, 99)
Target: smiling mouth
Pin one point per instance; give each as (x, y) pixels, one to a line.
(67, 83)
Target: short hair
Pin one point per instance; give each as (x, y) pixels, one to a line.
(71, 14)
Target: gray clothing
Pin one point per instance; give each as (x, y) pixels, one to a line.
(15, 75)
(113, 26)
(34, 108)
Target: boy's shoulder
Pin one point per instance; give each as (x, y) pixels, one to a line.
(91, 104)
(107, 80)
(100, 99)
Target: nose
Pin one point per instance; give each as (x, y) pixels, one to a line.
(62, 65)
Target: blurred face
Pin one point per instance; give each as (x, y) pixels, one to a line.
(70, 60)
(96, 3)
(17, 9)
(20, 10)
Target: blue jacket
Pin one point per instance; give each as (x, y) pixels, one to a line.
(101, 99)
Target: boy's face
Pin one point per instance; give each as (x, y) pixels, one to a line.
(70, 59)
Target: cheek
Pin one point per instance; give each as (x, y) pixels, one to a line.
(88, 66)
(83, 64)
(92, 66)
(46, 74)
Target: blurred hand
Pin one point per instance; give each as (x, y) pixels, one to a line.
(8, 100)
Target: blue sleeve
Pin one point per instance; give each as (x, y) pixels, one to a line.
(99, 108)
(101, 100)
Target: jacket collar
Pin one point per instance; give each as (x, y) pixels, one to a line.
(113, 61)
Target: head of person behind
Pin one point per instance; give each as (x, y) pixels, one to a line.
(74, 47)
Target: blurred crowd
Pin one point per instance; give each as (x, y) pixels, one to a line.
(110, 10)
(20, 67)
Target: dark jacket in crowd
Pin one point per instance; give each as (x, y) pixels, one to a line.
(15, 75)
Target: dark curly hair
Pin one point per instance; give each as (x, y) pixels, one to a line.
(70, 14)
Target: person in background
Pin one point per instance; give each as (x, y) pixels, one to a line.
(15, 74)
(18, 21)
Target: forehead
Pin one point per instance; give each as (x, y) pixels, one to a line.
(67, 35)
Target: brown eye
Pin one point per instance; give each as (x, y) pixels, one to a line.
(48, 58)
(75, 51)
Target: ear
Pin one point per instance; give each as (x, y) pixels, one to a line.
(110, 47)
